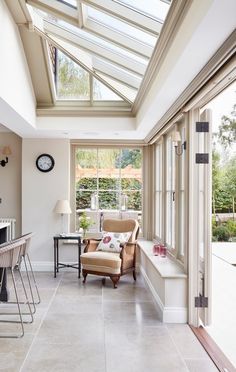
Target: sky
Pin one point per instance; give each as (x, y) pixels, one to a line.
(222, 105)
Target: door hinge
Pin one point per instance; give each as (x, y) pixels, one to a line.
(202, 158)
(201, 301)
(202, 126)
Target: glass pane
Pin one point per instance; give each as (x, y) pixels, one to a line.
(86, 169)
(102, 93)
(169, 164)
(182, 224)
(134, 200)
(168, 217)
(83, 199)
(120, 26)
(159, 168)
(131, 183)
(106, 183)
(158, 214)
(108, 168)
(154, 8)
(182, 162)
(98, 40)
(108, 200)
(69, 2)
(72, 81)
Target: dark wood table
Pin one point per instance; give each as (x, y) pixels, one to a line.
(3, 238)
(58, 265)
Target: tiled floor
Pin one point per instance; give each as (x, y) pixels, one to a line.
(94, 328)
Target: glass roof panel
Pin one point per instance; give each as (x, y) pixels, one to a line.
(155, 8)
(102, 93)
(72, 81)
(69, 2)
(98, 40)
(127, 92)
(120, 26)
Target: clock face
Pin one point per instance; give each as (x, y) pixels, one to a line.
(45, 162)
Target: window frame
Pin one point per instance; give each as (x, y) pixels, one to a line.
(120, 191)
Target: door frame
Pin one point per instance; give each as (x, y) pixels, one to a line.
(198, 316)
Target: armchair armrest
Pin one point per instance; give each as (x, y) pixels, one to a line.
(91, 245)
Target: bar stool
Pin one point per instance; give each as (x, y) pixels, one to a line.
(24, 257)
(9, 259)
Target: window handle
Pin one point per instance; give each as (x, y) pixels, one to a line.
(173, 196)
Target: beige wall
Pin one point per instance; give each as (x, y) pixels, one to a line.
(10, 179)
(40, 191)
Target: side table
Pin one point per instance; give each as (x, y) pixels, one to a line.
(58, 265)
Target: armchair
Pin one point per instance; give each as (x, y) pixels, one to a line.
(111, 264)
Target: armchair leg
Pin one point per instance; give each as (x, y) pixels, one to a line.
(134, 274)
(84, 275)
(115, 280)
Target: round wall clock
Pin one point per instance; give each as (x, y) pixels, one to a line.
(45, 162)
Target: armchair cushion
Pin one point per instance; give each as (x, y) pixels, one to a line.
(111, 241)
(104, 262)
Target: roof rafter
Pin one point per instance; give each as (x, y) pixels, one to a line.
(128, 15)
(116, 73)
(95, 48)
(80, 19)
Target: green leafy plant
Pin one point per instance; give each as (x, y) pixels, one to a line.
(85, 222)
(221, 233)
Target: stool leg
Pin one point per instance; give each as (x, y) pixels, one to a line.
(26, 296)
(19, 312)
(30, 287)
(35, 284)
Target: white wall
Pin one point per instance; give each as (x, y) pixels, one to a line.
(10, 179)
(16, 88)
(40, 191)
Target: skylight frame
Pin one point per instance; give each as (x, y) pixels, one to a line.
(125, 69)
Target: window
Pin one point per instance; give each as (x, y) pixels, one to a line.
(113, 175)
(158, 191)
(182, 196)
(170, 191)
(72, 81)
(170, 194)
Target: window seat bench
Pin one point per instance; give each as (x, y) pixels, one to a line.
(167, 282)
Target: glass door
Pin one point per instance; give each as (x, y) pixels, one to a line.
(200, 219)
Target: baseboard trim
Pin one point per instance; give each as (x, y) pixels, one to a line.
(167, 314)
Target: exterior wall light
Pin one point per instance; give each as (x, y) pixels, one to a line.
(6, 151)
(176, 139)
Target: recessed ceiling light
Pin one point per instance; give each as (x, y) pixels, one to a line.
(91, 133)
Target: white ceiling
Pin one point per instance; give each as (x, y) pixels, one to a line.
(204, 28)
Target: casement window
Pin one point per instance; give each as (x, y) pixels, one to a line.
(170, 191)
(158, 190)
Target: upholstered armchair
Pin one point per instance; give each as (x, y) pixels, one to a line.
(111, 263)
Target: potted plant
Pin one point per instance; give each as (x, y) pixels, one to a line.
(85, 223)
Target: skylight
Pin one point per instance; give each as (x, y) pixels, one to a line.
(104, 47)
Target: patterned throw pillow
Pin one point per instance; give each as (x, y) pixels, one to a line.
(111, 241)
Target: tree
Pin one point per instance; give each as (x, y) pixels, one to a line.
(72, 80)
(227, 129)
(231, 181)
(216, 179)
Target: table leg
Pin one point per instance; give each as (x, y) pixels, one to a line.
(55, 258)
(79, 253)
